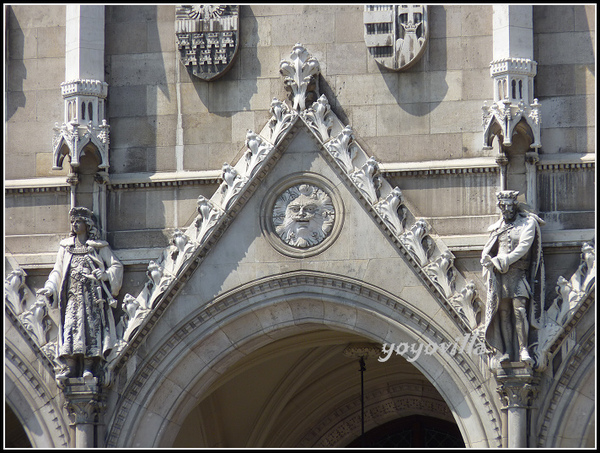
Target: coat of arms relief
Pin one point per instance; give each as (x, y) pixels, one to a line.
(396, 35)
(207, 38)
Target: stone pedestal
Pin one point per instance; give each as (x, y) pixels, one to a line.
(518, 389)
(85, 404)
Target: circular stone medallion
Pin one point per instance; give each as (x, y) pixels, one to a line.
(302, 215)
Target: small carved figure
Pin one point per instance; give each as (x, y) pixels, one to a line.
(513, 268)
(303, 216)
(83, 283)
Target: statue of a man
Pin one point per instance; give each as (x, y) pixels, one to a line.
(513, 269)
(83, 283)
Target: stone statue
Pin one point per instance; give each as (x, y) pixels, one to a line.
(83, 283)
(513, 269)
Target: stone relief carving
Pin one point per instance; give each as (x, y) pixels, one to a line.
(368, 180)
(256, 153)
(36, 321)
(231, 186)
(396, 35)
(343, 149)
(418, 242)
(570, 294)
(208, 216)
(83, 284)
(392, 211)
(281, 120)
(468, 305)
(442, 272)
(513, 269)
(300, 76)
(207, 38)
(13, 287)
(319, 118)
(303, 215)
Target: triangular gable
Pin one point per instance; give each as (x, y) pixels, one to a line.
(413, 239)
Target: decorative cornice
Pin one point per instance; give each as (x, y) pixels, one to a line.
(84, 87)
(523, 66)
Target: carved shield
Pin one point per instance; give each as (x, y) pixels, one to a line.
(396, 35)
(207, 38)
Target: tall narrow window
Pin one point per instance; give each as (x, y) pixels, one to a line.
(520, 89)
(82, 111)
(514, 89)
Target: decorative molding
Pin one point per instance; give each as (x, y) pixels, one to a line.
(573, 297)
(255, 289)
(36, 384)
(570, 366)
(343, 424)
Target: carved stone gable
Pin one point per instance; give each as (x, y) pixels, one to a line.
(207, 38)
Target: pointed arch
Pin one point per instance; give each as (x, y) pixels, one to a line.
(171, 380)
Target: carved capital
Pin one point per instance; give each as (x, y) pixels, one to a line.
(517, 394)
(518, 386)
(85, 400)
(532, 157)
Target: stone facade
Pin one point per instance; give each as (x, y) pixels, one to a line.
(353, 207)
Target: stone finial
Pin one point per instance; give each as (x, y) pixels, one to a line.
(300, 76)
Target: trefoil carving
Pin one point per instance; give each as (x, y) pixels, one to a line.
(300, 76)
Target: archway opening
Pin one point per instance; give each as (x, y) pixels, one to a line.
(14, 433)
(303, 391)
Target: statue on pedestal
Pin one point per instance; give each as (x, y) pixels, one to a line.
(83, 284)
(513, 268)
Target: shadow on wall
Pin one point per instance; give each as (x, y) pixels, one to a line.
(17, 72)
(137, 78)
(414, 94)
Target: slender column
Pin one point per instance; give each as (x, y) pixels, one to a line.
(518, 389)
(502, 162)
(531, 160)
(85, 404)
(73, 180)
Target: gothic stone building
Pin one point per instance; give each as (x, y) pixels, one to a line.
(352, 316)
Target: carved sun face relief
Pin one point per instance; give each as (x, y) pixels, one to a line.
(302, 216)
